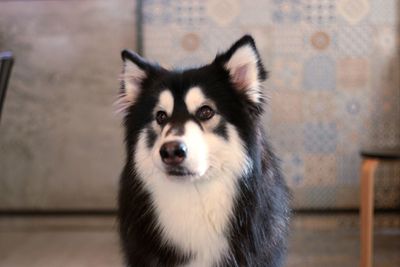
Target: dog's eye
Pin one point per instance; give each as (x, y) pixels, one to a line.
(205, 113)
(161, 117)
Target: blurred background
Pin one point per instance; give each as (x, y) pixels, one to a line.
(334, 89)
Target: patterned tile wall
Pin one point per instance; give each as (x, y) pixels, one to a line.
(334, 81)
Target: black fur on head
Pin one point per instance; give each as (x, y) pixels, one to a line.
(239, 70)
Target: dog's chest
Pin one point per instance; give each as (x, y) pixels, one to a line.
(195, 217)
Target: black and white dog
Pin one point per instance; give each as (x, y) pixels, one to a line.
(201, 186)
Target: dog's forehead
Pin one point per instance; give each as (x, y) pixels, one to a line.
(166, 101)
(191, 97)
(194, 97)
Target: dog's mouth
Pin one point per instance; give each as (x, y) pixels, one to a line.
(179, 171)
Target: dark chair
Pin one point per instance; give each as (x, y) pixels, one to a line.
(6, 63)
(370, 161)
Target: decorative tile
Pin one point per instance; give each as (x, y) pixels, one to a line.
(288, 40)
(384, 11)
(158, 12)
(348, 168)
(353, 11)
(320, 12)
(190, 45)
(386, 40)
(333, 86)
(387, 185)
(286, 137)
(384, 105)
(353, 106)
(352, 131)
(319, 73)
(189, 13)
(355, 41)
(319, 106)
(316, 196)
(253, 13)
(188, 61)
(217, 39)
(223, 12)
(384, 133)
(286, 73)
(320, 137)
(286, 107)
(320, 40)
(321, 174)
(190, 41)
(287, 11)
(293, 168)
(349, 138)
(156, 42)
(353, 73)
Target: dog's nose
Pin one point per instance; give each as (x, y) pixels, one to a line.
(173, 153)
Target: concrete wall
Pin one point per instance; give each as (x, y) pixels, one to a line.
(60, 142)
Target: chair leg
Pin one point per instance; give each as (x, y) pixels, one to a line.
(367, 211)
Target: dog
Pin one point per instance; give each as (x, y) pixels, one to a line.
(201, 186)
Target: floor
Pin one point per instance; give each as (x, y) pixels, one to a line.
(315, 240)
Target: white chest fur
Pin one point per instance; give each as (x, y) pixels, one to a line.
(195, 216)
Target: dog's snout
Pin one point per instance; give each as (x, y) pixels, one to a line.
(173, 153)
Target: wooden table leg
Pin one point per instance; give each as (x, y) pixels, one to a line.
(367, 211)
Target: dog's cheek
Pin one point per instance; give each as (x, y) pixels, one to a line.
(148, 146)
(155, 137)
(142, 155)
(221, 130)
(227, 153)
(216, 143)
(151, 137)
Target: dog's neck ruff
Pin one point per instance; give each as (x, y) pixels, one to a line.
(194, 216)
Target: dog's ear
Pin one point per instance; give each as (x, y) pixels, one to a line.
(245, 68)
(135, 70)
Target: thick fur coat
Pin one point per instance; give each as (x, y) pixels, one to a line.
(201, 186)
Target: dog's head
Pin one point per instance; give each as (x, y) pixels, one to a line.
(189, 124)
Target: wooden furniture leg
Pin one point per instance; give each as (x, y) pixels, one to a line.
(367, 211)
